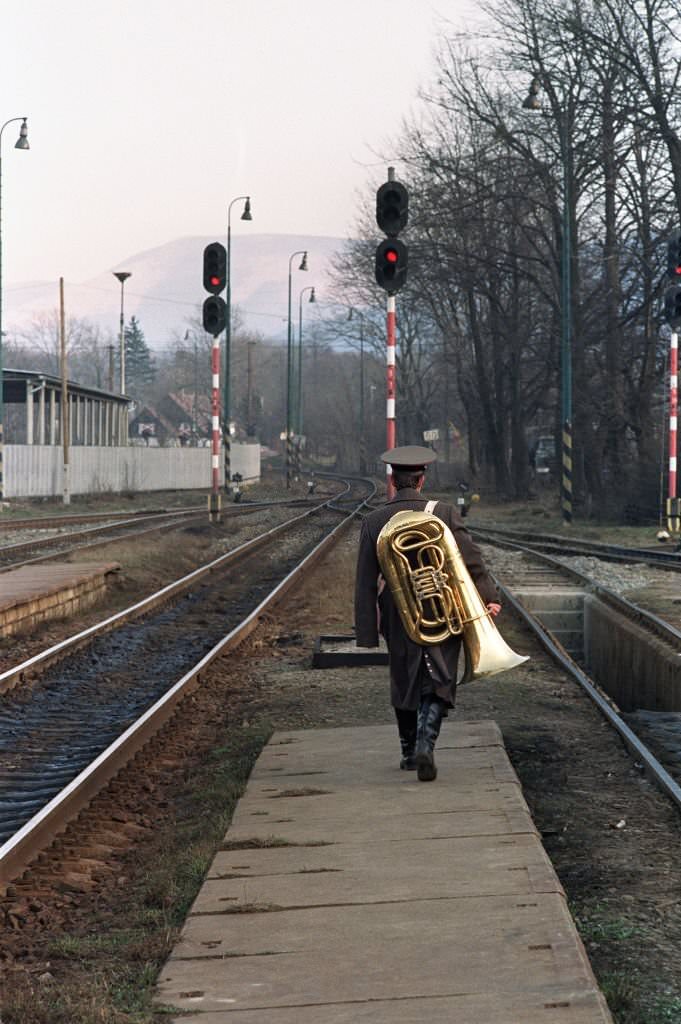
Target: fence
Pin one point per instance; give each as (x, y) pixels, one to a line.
(36, 471)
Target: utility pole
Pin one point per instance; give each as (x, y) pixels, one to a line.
(250, 426)
(64, 395)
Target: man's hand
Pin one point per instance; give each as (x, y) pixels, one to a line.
(493, 608)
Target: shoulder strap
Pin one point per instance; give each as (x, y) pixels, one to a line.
(430, 507)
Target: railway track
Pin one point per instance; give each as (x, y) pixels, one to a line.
(87, 716)
(60, 519)
(555, 544)
(64, 542)
(530, 569)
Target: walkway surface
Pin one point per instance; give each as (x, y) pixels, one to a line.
(347, 892)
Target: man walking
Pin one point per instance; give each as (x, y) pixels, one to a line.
(422, 677)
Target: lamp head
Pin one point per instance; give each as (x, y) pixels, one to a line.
(246, 215)
(22, 141)
(303, 262)
(532, 101)
(312, 296)
(122, 275)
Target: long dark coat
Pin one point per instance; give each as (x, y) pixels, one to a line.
(374, 612)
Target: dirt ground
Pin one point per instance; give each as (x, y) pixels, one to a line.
(84, 933)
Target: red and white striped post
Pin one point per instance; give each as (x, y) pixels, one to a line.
(673, 511)
(390, 435)
(215, 414)
(392, 203)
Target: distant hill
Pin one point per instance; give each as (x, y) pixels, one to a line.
(166, 286)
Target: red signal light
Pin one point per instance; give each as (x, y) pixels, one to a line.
(215, 280)
(392, 257)
(677, 270)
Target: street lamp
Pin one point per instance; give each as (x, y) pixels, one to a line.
(310, 289)
(532, 102)
(289, 367)
(246, 215)
(21, 143)
(362, 446)
(122, 276)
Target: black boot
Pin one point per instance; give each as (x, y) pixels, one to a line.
(406, 724)
(430, 715)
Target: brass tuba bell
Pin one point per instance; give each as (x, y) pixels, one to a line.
(435, 595)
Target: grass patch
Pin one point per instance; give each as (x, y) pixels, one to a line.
(666, 1011)
(598, 925)
(620, 991)
(107, 974)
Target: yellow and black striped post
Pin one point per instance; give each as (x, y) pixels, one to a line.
(228, 459)
(289, 458)
(566, 486)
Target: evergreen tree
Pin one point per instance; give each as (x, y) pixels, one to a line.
(140, 368)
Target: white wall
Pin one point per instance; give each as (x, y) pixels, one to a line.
(32, 471)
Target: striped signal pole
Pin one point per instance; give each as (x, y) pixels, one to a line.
(390, 431)
(672, 312)
(215, 415)
(392, 214)
(214, 322)
(673, 509)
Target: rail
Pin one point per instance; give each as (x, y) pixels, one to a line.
(17, 852)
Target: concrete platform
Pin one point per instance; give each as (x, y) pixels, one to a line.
(34, 593)
(346, 891)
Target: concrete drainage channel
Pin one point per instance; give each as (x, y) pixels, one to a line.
(561, 610)
(632, 674)
(636, 668)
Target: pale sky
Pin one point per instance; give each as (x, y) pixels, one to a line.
(146, 117)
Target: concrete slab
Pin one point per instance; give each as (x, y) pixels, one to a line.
(368, 827)
(436, 947)
(347, 891)
(457, 1008)
(345, 874)
(333, 651)
(36, 593)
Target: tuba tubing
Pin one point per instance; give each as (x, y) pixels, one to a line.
(435, 595)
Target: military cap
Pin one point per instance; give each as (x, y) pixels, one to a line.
(411, 456)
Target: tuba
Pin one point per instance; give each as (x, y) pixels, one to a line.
(435, 595)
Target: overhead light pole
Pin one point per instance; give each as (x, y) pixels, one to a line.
(362, 445)
(532, 102)
(122, 276)
(227, 410)
(21, 143)
(289, 368)
(311, 290)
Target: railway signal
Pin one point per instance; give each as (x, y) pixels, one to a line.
(672, 304)
(392, 214)
(391, 265)
(392, 208)
(215, 268)
(214, 315)
(674, 256)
